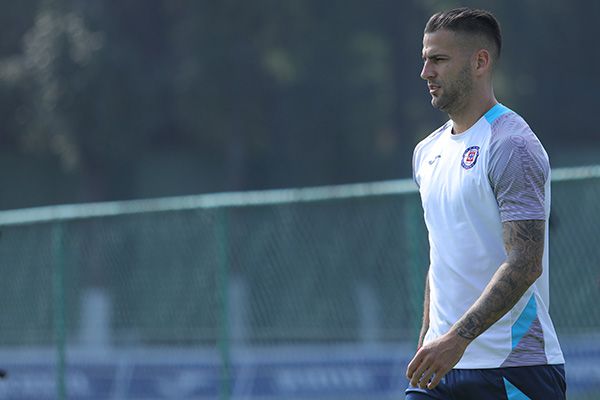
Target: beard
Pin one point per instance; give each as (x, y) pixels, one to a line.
(455, 93)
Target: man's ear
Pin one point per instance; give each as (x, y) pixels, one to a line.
(483, 61)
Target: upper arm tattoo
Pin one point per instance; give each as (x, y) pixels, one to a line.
(524, 243)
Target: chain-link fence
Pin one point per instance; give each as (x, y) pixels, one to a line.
(288, 294)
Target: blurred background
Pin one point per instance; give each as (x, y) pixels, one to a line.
(144, 285)
(114, 100)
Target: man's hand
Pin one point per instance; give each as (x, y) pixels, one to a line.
(435, 359)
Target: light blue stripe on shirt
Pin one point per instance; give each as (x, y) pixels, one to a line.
(495, 112)
(522, 324)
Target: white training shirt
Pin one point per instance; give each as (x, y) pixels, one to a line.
(470, 183)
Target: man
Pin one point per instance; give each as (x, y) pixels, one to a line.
(484, 181)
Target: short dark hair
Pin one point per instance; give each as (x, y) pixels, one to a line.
(468, 20)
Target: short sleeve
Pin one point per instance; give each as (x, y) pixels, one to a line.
(414, 167)
(518, 169)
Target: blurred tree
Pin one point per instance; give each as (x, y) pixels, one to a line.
(43, 77)
(15, 20)
(230, 95)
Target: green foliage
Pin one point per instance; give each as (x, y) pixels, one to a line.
(255, 94)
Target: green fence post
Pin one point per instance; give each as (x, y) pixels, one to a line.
(59, 306)
(223, 293)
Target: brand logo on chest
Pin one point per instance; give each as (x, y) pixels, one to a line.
(469, 157)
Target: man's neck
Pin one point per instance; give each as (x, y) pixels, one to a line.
(469, 115)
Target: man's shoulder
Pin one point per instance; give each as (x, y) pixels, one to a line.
(424, 146)
(510, 131)
(509, 123)
(432, 137)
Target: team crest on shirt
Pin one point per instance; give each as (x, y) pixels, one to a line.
(469, 157)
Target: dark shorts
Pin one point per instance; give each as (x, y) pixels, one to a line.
(540, 382)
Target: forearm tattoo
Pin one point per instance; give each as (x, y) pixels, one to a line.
(524, 243)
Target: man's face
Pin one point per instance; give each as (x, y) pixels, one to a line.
(447, 70)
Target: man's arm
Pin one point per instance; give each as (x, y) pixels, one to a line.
(524, 244)
(425, 323)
